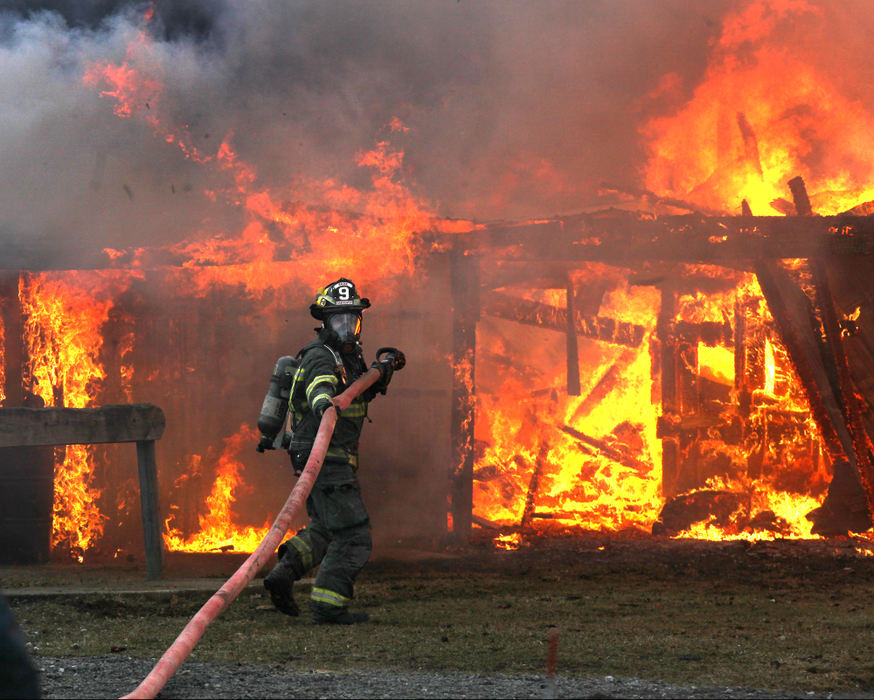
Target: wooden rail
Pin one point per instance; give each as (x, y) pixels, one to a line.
(140, 423)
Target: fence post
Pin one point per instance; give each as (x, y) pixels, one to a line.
(148, 470)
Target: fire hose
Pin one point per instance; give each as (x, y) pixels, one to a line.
(183, 645)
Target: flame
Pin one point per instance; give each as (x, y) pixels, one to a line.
(552, 457)
(762, 115)
(218, 532)
(64, 315)
(509, 542)
(325, 227)
(547, 461)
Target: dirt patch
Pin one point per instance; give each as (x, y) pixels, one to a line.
(694, 619)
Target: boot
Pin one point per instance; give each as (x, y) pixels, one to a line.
(279, 583)
(333, 615)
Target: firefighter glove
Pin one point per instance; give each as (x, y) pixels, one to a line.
(385, 370)
(392, 355)
(387, 361)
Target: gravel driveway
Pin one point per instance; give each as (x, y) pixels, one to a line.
(113, 676)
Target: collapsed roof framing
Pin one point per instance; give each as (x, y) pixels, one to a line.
(834, 358)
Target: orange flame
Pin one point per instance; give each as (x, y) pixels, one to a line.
(218, 532)
(64, 314)
(762, 115)
(597, 465)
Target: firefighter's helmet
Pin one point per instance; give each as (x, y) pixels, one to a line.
(338, 297)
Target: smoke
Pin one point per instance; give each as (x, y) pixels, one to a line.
(513, 109)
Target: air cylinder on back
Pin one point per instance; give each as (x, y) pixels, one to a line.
(271, 420)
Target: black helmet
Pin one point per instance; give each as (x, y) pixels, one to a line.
(338, 297)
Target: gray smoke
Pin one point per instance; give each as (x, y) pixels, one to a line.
(514, 109)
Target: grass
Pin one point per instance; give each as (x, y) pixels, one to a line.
(787, 617)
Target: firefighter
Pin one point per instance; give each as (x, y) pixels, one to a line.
(337, 537)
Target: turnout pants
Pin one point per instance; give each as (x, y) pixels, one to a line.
(336, 538)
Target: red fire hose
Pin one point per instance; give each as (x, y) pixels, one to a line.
(193, 631)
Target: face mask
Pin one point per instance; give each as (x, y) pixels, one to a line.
(346, 326)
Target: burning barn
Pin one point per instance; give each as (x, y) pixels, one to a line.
(686, 375)
(685, 355)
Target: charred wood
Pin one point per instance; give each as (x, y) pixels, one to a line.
(545, 316)
(849, 403)
(487, 524)
(864, 209)
(853, 295)
(793, 316)
(845, 507)
(12, 333)
(799, 197)
(21, 427)
(573, 356)
(669, 359)
(710, 333)
(750, 142)
(605, 384)
(784, 206)
(465, 301)
(610, 452)
(681, 512)
(741, 383)
(651, 197)
(625, 237)
(534, 484)
(671, 425)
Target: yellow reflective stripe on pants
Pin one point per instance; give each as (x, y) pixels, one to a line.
(305, 551)
(323, 595)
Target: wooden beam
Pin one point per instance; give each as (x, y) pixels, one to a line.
(534, 484)
(792, 314)
(609, 452)
(604, 385)
(669, 363)
(573, 355)
(799, 197)
(535, 313)
(20, 427)
(627, 237)
(465, 310)
(851, 406)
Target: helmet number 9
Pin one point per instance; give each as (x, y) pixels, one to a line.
(343, 293)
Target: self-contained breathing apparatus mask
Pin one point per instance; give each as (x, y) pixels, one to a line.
(345, 329)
